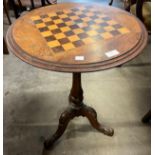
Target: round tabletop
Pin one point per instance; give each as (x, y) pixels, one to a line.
(73, 37)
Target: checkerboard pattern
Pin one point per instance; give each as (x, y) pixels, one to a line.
(72, 28)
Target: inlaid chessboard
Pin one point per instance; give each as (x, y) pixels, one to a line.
(72, 28)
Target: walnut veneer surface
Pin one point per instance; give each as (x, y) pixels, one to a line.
(56, 36)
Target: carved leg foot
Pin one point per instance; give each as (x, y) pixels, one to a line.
(63, 122)
(110, 3)
(91, 114)
(120, 66)
(147, 117)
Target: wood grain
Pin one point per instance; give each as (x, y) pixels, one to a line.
(27, 43)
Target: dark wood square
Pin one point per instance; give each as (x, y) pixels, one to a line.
(91, 22)
(61, 25)
(74, 26)
(87, 29)
(55, 31)
(69, 33)
(66, 19)
(60, 13)
(38, 21)
(82, 16)
(43, 16)
(49, 23)
(78, 21)
(104, 24)
(64, 40)
(115, 32)
(100, 30)
(58, 49)
(94, 17)
(83, 35)
(71, 14)
(106, 18)
(78, 43)
(117, 26)
(50, 38)
(43, 29)
(55, 17)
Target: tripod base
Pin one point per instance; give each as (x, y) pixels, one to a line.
(69, 114)
(76, 108)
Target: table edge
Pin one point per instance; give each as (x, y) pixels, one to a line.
(81, 67)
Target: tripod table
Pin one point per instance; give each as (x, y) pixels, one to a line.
(76, 38)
